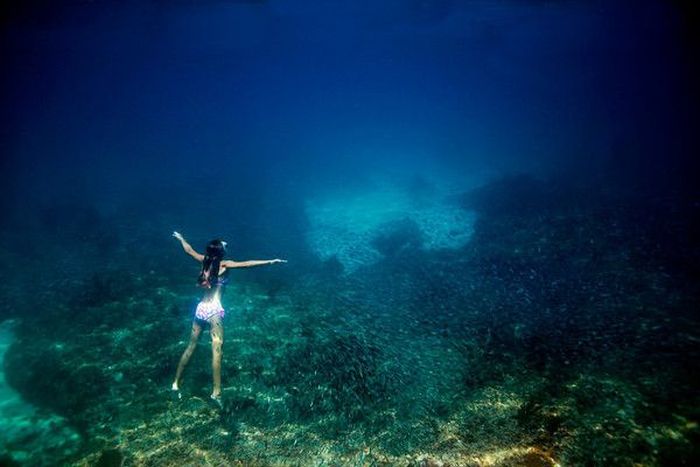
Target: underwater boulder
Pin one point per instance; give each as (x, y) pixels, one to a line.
(111, 458)
(398, 237)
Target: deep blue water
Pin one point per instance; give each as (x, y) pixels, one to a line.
(116, 96)
(348, 137)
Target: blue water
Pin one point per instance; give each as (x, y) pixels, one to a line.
(488, 209)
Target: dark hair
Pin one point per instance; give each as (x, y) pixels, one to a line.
(210, 265)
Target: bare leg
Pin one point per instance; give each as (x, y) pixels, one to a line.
(217, 341)
(194, 337)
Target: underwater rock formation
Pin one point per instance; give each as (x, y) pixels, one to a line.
(30, 436)
(349, 226)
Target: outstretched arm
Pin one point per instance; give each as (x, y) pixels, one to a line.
(188, 249)
(252, 262)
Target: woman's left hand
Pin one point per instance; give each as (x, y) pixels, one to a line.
(277, 260)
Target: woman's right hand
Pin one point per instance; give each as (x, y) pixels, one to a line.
(178, 236)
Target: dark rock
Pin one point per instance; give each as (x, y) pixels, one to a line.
(111, 458)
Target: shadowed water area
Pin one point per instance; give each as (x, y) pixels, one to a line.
(489, 213)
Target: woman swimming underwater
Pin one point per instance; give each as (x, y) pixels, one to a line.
(209, 310)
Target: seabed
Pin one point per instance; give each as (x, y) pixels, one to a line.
(507, 326)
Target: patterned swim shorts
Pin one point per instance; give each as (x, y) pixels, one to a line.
(207, 310)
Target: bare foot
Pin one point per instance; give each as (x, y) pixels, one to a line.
(217, 400)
